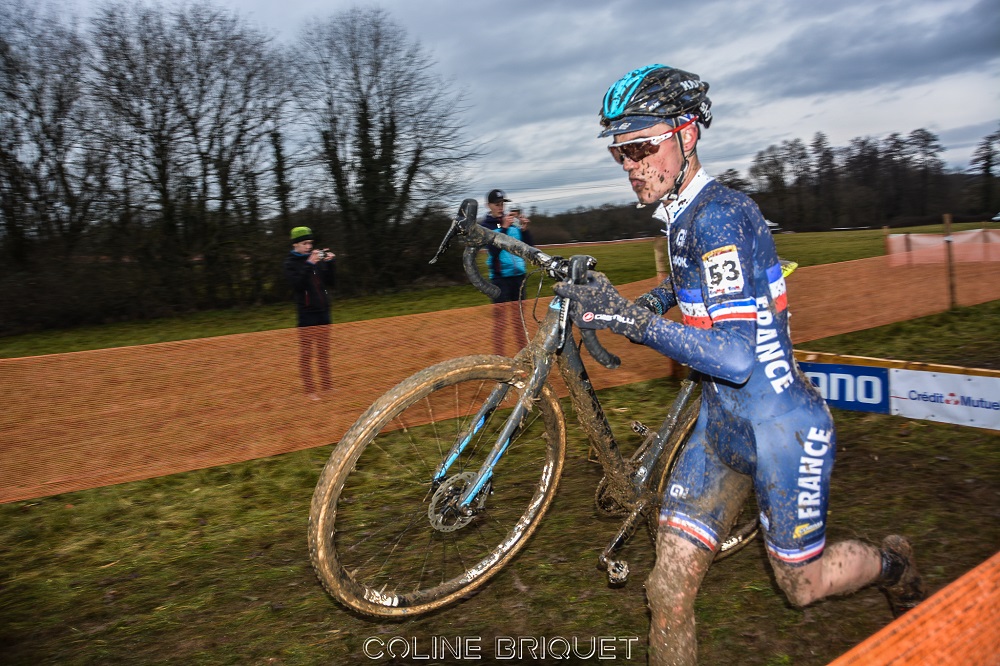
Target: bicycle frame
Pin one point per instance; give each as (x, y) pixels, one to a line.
(548, 344)
(554, 340)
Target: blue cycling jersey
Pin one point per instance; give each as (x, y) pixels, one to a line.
(760, 415)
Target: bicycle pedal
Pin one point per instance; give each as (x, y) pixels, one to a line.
(617, 572)
(639, 429)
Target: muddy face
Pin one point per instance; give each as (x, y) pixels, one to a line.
(652, 177)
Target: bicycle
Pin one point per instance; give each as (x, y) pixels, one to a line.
(444, 478)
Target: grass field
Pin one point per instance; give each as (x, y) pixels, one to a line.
(211, 567)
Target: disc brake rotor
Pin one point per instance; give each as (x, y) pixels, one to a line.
(444, 513)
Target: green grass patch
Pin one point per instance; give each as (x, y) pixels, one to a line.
(828, 247)
(965, 337)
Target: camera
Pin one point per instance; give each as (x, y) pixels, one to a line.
(323, 255)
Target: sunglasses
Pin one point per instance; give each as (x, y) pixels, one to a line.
(640, 149)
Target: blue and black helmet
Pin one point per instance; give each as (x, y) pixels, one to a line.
(654, 94)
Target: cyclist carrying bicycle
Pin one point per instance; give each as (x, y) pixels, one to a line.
(762, 424)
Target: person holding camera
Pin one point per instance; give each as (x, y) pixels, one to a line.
(507, 273)
(309, 271)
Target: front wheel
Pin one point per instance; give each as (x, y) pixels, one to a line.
(386, 540)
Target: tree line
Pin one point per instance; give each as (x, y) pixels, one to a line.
(154, 159)
(898, 180)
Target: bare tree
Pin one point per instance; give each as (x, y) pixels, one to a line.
(134, 61)
(924, 152)
(768, 175)
(796, 159)
(390, 137)
(732, 178)
(230, 92)
(50, 178)
(825, 181)
(193, 97)
(895, 175)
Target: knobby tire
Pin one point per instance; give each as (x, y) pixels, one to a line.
(380, 538)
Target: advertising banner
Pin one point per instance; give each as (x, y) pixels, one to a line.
(858, 388)
(950, 398)
(945, 393)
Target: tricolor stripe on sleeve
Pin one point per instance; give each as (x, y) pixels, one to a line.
(776, 282)
(744, 308)
(693, 310)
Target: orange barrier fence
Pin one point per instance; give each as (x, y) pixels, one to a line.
(952, 627)
(971, 245)
(81, 420)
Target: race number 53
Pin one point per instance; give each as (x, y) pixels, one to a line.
(723, 271)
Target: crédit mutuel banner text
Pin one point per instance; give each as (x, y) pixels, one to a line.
(949, 394)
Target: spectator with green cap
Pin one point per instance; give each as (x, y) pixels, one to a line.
(310, 271)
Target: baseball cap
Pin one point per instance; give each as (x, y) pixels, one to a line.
(300, 234)
(496, 196)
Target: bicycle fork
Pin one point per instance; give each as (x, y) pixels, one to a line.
(467, 503)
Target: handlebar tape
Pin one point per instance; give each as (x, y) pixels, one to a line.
(600, 354)
(472, 271)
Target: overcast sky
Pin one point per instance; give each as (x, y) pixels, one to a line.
(535, 71)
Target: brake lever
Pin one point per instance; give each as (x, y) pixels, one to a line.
(446, 241)
(466, 213)
(578, 267)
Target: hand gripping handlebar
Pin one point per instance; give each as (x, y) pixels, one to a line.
(477, 237)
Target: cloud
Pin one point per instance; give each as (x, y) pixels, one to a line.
(876, 45)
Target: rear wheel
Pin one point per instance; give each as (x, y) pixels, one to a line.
(744, 530)
(386, 541)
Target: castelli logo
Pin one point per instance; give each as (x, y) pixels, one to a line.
(952, 399)
(588, 316)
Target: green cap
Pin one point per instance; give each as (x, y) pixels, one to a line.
(300, 234)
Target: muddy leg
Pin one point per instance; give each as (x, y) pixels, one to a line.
(845, 567)
(677, 575)
(670, 592)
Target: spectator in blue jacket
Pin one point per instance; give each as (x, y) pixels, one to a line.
(507, 272)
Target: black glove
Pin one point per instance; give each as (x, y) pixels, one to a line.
(597, 304)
